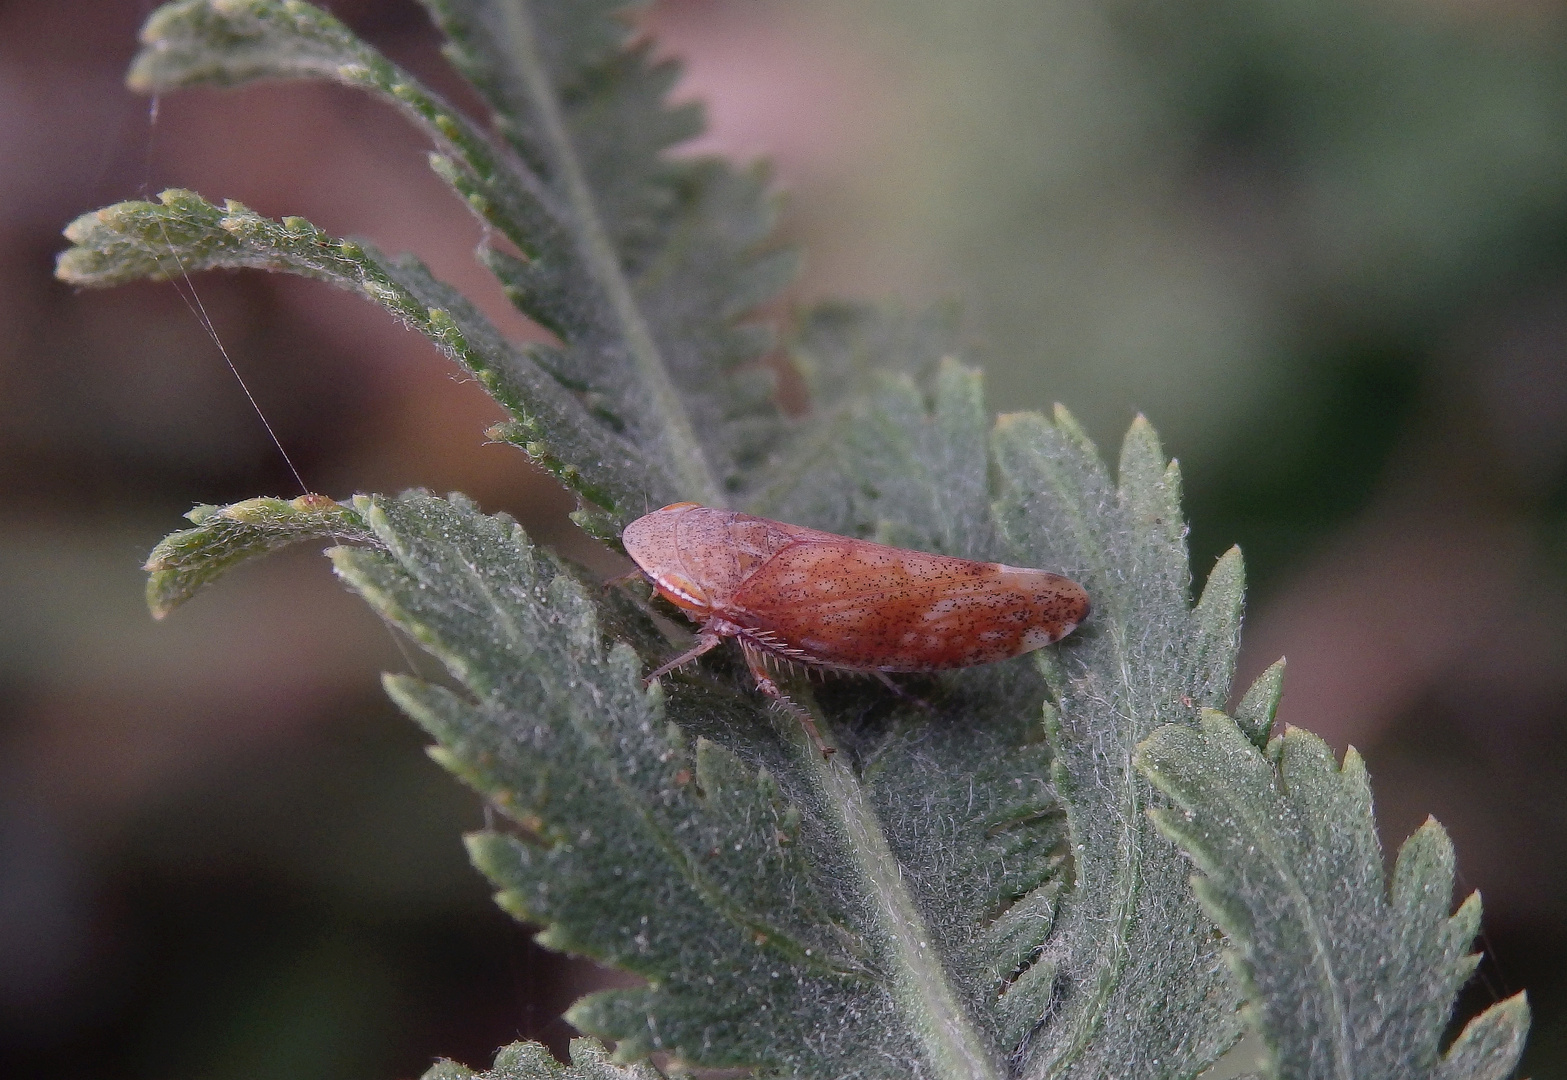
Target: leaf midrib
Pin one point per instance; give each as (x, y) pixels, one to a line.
(1260, 831)
(1092, 1012)
(954, 1048)
(668, 411)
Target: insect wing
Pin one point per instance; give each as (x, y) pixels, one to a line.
(854, 604)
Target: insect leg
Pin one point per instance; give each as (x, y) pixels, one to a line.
(901, 692)
(705, 642)
(756, 661)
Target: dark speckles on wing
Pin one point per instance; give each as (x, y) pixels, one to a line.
(854, 604)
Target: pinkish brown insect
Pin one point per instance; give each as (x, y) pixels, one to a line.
(788, 593)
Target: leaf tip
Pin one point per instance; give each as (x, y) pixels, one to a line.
(1490, 1044)
(1141, 445)
(156, 606)
(447, 1069)
(1226, 585)
(1070, 427)
(1354, 764)
(1259, 706)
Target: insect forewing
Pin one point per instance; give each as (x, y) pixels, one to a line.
(854, 604)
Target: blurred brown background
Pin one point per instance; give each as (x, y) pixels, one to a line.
(1323, 245)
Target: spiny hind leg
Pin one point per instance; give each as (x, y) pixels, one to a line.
(756, 661)
(705, 642)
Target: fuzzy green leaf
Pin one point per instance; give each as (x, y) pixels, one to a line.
(847, 918)
(1254, 715)
(906, 468)
(648, 845)
(1128, 980)
(530, 1061)
(850, 356)
(1345, 973)
(674, 250)
(1260, 704)
(187, 561)
(643, 266)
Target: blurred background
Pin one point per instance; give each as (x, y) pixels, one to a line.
(1322, 244)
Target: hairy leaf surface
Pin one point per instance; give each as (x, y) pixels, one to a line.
(1345, 972)
(645, 843)
(185, 562)
(643, 266)
(917, 890)
(530, 1061)
(1129, 980)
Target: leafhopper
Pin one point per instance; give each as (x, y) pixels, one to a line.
(792, 595)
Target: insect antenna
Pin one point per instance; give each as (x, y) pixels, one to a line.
(192, 300)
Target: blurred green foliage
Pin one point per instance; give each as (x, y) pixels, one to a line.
(1264, 224)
